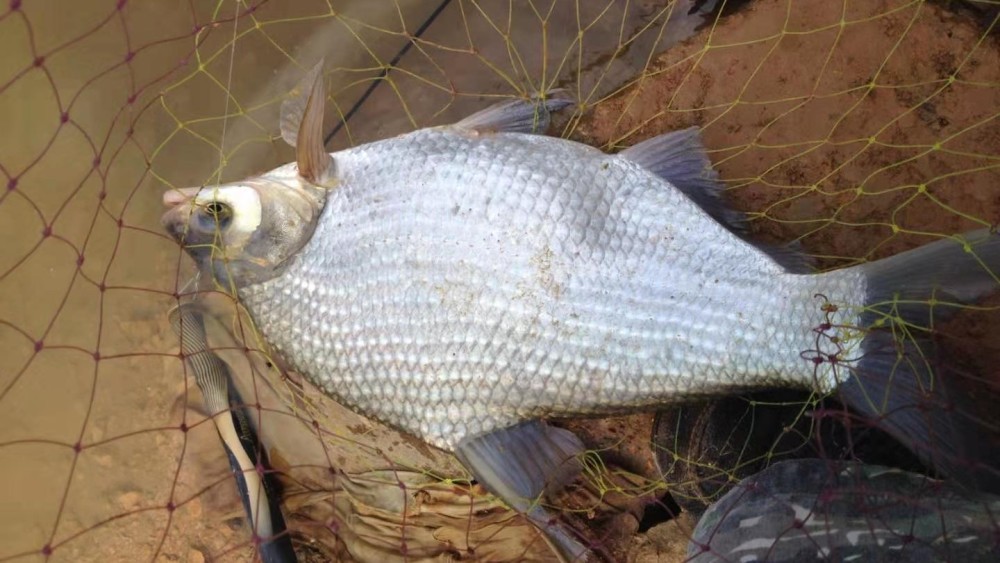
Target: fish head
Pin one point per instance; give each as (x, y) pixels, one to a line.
(245, 232)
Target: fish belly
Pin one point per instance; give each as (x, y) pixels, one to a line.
(458, 283)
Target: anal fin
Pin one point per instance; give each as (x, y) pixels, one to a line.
(519, 464)
(517, 115)
(679, 158)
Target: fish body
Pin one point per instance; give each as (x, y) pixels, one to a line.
(459, 283)
(464, 282)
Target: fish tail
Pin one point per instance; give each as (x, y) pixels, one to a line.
(895, 381)
(933, 281)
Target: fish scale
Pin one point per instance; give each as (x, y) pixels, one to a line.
(537, 275)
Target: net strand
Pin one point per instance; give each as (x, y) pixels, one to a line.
(176, 98)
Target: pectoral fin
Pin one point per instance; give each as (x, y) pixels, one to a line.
(302, 127)
(518, 464)
(294, 107)
(239, 439)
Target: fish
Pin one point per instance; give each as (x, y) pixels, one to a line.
(468, 283)
(828, 510)
(223, 403)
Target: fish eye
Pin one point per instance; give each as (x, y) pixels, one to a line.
(218, 210)
(217, 214)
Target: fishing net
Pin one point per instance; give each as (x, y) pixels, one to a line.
(854, 129)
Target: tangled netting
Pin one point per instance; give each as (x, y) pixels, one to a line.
(853, 129)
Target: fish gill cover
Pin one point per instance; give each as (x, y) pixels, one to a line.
(854, 129)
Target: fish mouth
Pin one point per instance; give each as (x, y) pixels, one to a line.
(178, 204)
(173, 224)
(176, 196)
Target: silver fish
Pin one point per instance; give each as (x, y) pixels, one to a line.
(463, 282)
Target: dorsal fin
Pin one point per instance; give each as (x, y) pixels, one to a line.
(790, 256)
(517, 115)
(679, 158)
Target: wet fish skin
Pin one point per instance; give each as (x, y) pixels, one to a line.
(456, 284)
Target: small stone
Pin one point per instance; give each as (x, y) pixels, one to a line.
(671, 537)
(194, 508)
(130, 500)
(235, 524)
(104, 460)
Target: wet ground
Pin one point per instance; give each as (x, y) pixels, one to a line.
(851, 138)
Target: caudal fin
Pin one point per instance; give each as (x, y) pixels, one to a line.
(931, 282)
(897, 380)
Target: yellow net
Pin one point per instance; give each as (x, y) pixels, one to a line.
(854, 128)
